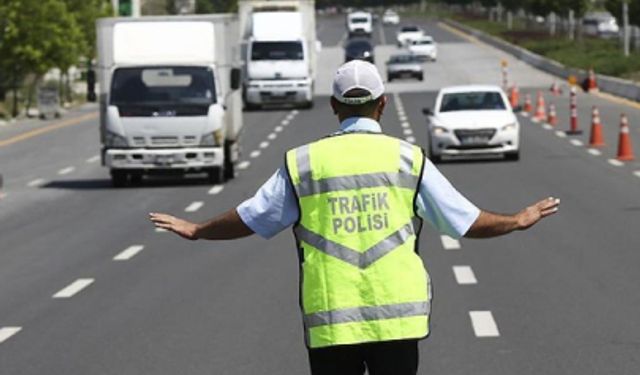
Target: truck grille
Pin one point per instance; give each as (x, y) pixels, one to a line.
(164, 141)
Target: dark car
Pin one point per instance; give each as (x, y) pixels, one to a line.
(358, 49)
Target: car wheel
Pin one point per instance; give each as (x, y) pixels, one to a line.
(421, 77)
(135, 178)
(119, 178)
(390, 78)
(512, 156)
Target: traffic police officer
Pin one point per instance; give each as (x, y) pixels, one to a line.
(356, 200)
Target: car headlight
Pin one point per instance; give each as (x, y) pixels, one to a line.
(439, 130)
(212, 139)
(509, 127)
(115, 140)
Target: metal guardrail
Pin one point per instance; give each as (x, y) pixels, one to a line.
(616, 86)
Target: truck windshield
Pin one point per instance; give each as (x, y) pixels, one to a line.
(276, 51)
(359, 20)
(471, 101)
(164, 87)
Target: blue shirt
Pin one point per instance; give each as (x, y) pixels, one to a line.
(274, 208)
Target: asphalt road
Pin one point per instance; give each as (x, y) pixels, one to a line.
(563, 296)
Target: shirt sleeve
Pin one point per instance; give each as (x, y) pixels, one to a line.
(273, 208)
(440, 204)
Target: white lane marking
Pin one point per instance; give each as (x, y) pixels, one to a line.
(402, 118)
(449, 243)
(254, 154)
(194, 206)
(278, 129)
(636, 173)
(464, 275)
(272, 136)
(483, 324)
(594, 151)
(285, 122)
(216, 189)
(407, 131)
(524, 114)
(295, 112)
(37, 182)
(410, 139)
(264, 144)
(66, 170)
(93, 159)
(129, 252)
(161, 230)
(615, 162)
(576, 142)
(547, 126)
(244, 164)
(535, 120)
(561, 134)
(404, 124)
(7, 332)
(73, 288)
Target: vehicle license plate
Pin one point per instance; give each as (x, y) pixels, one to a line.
(474, 140)
(163, 159)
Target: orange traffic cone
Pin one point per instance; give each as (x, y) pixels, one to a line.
(596, 139)
(527, 104)
(552, 119)
(592, 85)
(514, 96)
(540, 110)
(555, 88)
(625, 150)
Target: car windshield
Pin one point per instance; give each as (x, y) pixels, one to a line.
(276, 51)
(472, 101)
(359, 20)
(409, 29)
(403, 59)
(158, 86)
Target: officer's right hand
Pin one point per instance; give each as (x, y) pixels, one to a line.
(183, 228)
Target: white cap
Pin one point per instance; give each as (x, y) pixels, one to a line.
(357, 74)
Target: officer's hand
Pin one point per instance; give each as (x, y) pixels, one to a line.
(180, 227)
(532, 214)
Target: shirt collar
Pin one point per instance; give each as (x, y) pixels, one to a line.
(360, 124)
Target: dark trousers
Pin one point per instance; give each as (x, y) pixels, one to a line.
(380, 358)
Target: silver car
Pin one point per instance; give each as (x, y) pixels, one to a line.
(404, 65)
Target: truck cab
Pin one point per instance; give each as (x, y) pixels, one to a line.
(360, 23)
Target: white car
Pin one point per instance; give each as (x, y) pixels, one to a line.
(408, 34)
(390, 17)
(360, 23)
(472, 120)
(424, 48)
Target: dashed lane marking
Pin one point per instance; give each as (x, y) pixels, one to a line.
(407, 131)
(264, 144)
(284, 122)
(36, 183)
(278, 129)
(561, 134)
(535, 120)
(216, 189)
(402, 118)
(161, 230)
(594, 151)
(194, 206)
(7, 332)
(254, 154)
(483, 324)
(244, 164)
(449, 243)
(93, 159)
(73, 288)
(66, 170)
(464, 275)
(615, 162)
(636, 173)
(272, 136)
(129, 252)
(576, 142)
(410, 139)
(405, 124)
(547, 126)
(295, 112)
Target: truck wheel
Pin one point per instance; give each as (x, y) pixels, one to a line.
(308, 105)
(215, 175)
(119, 178)
(512, 156)
(229, 165)
(135, 178)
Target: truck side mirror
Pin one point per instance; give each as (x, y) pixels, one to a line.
(91, 85)
(236, 78)
(427, 111)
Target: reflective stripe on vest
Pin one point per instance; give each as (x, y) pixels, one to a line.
(361, 279)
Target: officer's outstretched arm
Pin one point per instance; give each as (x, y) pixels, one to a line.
(490, 224)
(226, 226)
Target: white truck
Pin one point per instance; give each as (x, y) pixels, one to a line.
(280, 52)
(169, 96)
(360, 23)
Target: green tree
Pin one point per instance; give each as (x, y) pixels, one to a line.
(85, 13)
(615, 7)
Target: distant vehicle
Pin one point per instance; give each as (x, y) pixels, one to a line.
(600, 24)
(390, 17)
(407, 34)
(472, 120)
(424, 48)
(359, 23)
(404, 65)
(169, 96)
(359, 49)
(280, 55)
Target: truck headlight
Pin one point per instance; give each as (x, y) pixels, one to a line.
(213, 139)
(439, 130)
(115, 140)
(509, 127)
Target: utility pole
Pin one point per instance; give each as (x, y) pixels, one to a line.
(625, 23)
(572, 24)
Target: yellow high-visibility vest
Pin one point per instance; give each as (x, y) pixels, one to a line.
(361, 277)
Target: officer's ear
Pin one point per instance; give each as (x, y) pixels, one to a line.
(382, 103)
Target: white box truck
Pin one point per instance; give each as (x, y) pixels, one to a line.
(170, 98)
(280, 52)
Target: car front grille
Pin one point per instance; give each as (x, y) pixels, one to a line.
(474, 136)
